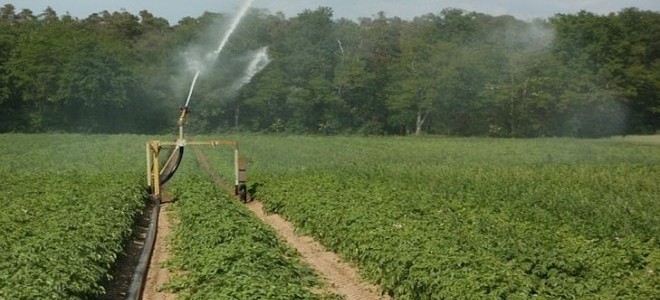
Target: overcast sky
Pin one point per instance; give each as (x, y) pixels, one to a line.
(174, 10)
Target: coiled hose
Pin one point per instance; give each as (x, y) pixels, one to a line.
(171, 164)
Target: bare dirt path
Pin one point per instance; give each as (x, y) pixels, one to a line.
(339, 277)
(158, 274)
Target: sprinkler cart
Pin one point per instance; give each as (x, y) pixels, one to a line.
(158, 175)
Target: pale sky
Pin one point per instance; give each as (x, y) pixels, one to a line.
(175, 10)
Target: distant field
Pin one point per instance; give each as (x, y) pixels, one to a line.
(474, 218)
(641, 139)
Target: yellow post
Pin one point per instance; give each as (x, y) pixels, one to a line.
(242, 171)
(182, 121)
(155, 170)
(236, 167)
(148, 147)
(153, 167)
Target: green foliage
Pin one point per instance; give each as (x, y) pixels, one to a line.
(68, 208)
(69, 205)
(453, 73)
(473, 218)
(221, 251)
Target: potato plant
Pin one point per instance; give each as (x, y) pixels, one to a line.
(68, 206)
(222, 251)
(471, 218)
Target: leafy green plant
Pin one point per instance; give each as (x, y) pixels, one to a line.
(68, 204)
(221, 251)
(473, 218)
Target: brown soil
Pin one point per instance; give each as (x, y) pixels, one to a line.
(158, 274)
(339, 277)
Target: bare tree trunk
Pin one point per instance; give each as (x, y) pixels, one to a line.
(341, 47)
(420, 121)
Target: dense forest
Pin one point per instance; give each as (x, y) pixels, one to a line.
(450, 73)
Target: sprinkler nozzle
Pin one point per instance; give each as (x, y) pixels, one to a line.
(182, 117)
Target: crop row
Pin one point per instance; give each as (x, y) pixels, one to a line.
(68, 205)
(474, 218)
(220, 250)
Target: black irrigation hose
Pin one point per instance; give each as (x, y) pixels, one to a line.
(169, 169)
(140, 274)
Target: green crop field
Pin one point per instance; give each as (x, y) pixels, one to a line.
(222, 251)
(426, 218)
(68, 205)
(451, 218)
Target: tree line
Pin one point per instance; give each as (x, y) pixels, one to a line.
(451, 73)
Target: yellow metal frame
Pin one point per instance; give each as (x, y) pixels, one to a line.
(153, 168)
(153, 150)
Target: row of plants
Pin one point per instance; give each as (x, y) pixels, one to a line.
(68, 207)
(220, 250)
(473, 218)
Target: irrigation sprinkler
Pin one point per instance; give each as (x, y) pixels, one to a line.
(158, 174)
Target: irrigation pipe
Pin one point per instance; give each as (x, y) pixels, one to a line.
(140, 274)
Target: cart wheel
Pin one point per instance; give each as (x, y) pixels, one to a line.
(242, 193)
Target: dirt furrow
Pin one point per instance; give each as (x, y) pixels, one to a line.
(158, 274)
(339, 277)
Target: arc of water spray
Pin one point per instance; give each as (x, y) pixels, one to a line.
(259, 61)
(192, 86)
(233, 25)
(223, 42)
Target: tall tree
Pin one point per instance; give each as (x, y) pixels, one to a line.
(307, 55)
(352, 80)
(382, 43)
(416, 86)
